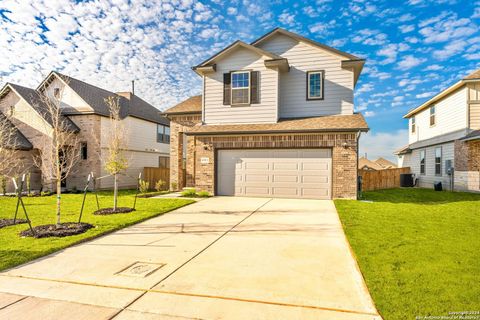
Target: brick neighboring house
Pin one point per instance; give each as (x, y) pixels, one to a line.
(379, 164)
(84, 108)
(444, 136)
(275, 119)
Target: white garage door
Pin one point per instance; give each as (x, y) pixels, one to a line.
(288, 173)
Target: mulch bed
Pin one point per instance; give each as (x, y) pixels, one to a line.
(9, 222)
(107, 211)
(62, 230)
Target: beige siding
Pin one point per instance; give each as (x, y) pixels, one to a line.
(474, 91)
(404, 160)
(429, 178)
(475, 116)
(303, 57)
(24, 113)
(143, 150)
(451, 115)
(69, 99)
(241, 59)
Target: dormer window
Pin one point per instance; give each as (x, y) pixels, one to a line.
(315, 85)
(413, 125)
(432, 116)
(56, 93)
(240, 87)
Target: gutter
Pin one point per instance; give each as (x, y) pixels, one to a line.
(243, 132)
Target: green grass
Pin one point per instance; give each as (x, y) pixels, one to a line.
(419, 250)
(15, 250)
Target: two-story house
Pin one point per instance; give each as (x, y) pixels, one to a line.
(275, 119)
(444, 137)
(84, 108)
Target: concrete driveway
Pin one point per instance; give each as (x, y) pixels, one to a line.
(221, 258)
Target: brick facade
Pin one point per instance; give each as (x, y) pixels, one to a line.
(344, 155)
(178, 125)
(467, 165)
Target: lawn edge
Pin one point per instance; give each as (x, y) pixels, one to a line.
(96, 236)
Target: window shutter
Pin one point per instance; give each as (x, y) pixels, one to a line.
(254, 87)
(226, 89)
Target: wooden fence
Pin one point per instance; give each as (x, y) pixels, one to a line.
(381, 179)
(152, 175)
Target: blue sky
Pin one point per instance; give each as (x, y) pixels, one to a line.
(413, 48)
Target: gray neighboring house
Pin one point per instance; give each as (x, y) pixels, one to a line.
(444, 136)
(84, 108)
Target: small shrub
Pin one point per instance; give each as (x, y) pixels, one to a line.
(174, 186)
(143, 186)
(160, 184)
(4, 184)
(189, 193)
(203, 194)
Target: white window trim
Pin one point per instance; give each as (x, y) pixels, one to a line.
(309, 96)
(241, 88)
(435, 161)
(413, 126)
(434, 115)
(424, 162)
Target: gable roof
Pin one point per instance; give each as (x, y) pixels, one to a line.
(233, 46)
(364, 162)
(17, 140)
(95, 98)
(472, 77)
(33, 98)
(386, 164)
(340, 123)
(191, 105)
(302, 38)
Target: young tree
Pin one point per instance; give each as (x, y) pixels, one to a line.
(61, 150)
(9, 148)
(115, 162)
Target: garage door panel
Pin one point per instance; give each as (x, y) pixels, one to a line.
(294, 173)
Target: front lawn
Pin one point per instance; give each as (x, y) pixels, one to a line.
(419, 250)
(15, 250)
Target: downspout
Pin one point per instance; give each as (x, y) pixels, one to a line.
(203, 99)
(356, 168)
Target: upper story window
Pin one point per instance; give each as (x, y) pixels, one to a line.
(12, 110)
(432, 116)
(438, 161)
(422, 161)
(163, 133)
(413, 125)
(56, 93)
(240, 87)
(315, 85)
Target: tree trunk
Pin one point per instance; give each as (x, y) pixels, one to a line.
(59, 195)
(115, 191)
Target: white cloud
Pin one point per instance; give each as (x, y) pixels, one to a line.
(472, 56)
(367, 87)
(406, 28)
(406, 17)
(447, 28)
(287, 18)
(370, 37)
(450, 49)
(409, 61)
(369, 114)
(323, 28)
(232, 11)
(425, 95)
(382, 144)
(311, 12)
(433, 67)
(390, 51)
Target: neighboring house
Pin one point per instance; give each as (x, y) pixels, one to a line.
(444, 133)
(84, 108)
(379, 164)
(275, 119)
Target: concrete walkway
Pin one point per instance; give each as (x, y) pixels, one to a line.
(221, 258)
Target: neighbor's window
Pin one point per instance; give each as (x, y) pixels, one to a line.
(413, 125)
(164, 162)
(422, 162)
(432, 116)
(240, 87)
(84, 151)
(438, 161)
(314, 85)
(56, 92)
(163, 133)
